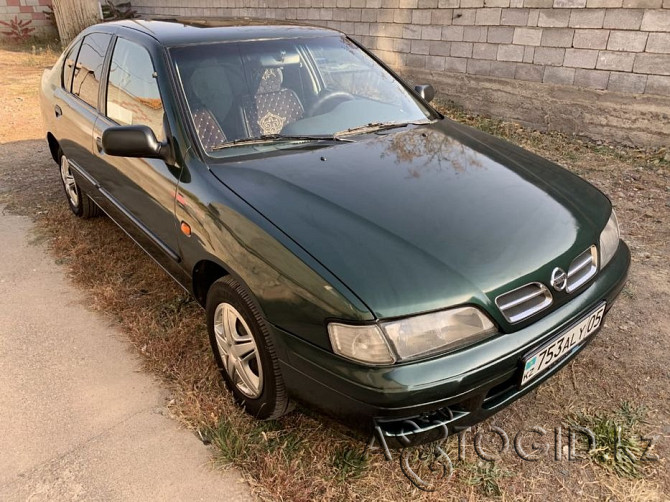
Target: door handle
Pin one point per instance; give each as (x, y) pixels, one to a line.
(58, 111)
(98, 143)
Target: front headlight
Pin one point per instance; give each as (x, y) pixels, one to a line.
(437, 332)
(411, 337)
(365, 344)
(609, 240)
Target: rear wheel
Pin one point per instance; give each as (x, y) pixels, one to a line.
(244, 351)
(80, 203)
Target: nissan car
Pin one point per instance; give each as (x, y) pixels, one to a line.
(353, 249)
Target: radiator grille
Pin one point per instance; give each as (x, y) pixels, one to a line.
(523, 302)
(582, 268)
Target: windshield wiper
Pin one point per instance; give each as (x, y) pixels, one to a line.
(268, 138)
(377, 126)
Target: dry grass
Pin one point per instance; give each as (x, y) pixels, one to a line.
(305, 456)
(486, 476)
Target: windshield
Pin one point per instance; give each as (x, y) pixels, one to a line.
(266, 94)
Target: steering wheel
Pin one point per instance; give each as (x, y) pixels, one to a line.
(328, 100)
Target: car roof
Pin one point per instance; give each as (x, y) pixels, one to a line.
(187, 31)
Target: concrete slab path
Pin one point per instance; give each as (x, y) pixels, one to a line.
(79, 419)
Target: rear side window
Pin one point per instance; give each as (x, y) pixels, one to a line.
(68, 66)
(88, 69)
(133, 97)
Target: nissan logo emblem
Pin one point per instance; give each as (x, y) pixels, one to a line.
(559, 279)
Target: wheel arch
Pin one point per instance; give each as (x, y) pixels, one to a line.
(206, 273)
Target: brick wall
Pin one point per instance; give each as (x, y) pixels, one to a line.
(621, 46)
(29, 10)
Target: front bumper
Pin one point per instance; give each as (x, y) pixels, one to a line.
(420, 399)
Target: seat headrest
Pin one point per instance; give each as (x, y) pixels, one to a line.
(212, 88)
(270, 80)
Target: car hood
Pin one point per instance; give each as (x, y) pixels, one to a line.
(425, 217)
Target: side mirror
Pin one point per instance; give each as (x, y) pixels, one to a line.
(426, 91)
(133, 141)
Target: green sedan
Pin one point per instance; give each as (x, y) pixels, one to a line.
(353, 249)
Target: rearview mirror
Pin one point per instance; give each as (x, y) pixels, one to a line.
(426, 91)
(133, 141)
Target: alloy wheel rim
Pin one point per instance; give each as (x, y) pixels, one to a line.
(68, 181)
(238, 350)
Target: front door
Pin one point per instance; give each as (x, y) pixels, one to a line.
(142, 190)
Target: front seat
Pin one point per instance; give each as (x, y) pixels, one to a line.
(212, 104)
(271, 107)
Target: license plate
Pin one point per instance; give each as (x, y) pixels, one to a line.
(558, 348)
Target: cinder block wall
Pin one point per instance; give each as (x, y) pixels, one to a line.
(27, 10)
(534, 49)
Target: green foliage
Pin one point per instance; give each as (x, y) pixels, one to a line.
(237, 443)
(349, 463)
(50, 15)
(485, 476)
(116, 12)
(632, 414)
(19, 29)
(229, 441)
(617, 442)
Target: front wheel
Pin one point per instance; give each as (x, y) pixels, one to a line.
(244, 351)
(80, 203)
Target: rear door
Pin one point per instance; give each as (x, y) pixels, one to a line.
(76, 103)
(142, 190)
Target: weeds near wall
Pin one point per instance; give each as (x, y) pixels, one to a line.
(115, 12)
(19, 29)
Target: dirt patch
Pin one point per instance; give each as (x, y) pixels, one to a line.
(21, 72)
(306, 456)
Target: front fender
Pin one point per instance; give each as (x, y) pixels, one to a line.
(293, 290)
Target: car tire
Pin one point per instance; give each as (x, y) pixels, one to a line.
(80, 203)
(244, 351)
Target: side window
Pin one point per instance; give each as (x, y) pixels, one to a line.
(68, 67)
(88, 69)
(133, 97)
